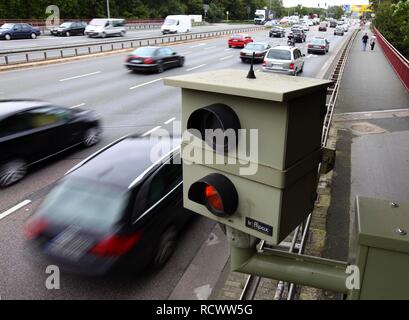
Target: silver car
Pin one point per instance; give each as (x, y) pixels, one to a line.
(259, 48)
(284, 59)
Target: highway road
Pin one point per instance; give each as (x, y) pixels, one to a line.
(127, 103)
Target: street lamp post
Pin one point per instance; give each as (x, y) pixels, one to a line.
(108, 12)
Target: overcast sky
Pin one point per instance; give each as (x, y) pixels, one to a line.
(314, 3)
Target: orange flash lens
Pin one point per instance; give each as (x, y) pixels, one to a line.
(213, 198)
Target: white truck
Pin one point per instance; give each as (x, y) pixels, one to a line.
(261, 16)
(177, 24)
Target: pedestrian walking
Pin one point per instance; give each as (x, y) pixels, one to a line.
(364, 41)
(372, 42)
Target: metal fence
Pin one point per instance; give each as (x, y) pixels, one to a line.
(395, 58)
(58, 52)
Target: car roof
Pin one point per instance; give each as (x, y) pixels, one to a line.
(283, 48)
(126, 161)
(8, 107)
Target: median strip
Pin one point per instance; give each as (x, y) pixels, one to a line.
(14, 209)
(81, 76)
(144, 84)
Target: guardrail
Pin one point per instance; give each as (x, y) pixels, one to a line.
(399, 63)
(43, 53)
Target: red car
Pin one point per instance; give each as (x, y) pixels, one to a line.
(239, 40)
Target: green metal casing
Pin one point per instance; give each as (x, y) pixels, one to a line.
(382, 253)
(288, 113)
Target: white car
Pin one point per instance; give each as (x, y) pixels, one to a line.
(305, 27)
(106, 27)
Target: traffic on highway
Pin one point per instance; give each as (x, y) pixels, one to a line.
(78, 188)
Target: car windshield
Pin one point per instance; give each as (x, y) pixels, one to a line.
(170, 22)
(98, 22)
(279, 54)
(257, 47)
(144, 52)
(7, 26)
(85, 203)
(318, 41)
(65, 25)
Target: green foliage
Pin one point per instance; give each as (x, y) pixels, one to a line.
(392, 20)
(335, 12)
(215, 13)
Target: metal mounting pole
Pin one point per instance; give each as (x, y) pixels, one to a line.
(293, 268)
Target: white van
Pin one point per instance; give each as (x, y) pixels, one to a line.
(106, 27)
(177, 23)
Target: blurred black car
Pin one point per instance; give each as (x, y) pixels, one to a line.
(153, 59)
(32, 131)
(117, 210)
(69, 29)
(298, 35)
(277, 32)
(258, 48)
(10, 31)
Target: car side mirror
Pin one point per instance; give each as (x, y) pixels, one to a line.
(173, 53)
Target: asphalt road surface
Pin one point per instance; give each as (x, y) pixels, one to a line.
(127, 103)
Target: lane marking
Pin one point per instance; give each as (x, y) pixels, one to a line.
(170, 120)
(199, 45)
(197, 67)
(225, 58)
(227, 49)
(15, 208)
(309, 56)
(187, 52)
(81, 76)
(150, 131)
(145, 84)
(210, 48)
(78, 105)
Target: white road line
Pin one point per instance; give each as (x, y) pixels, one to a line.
(309, 56)
(227, 49)
(150, 131)
(199, 45)
(197, 67)
(78, 105)
(187, 52)
(170, 120)
(225, 58)
(81, 76)
(144, 84)
(14, 209)
(210, 48)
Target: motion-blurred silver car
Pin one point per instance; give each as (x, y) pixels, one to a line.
(258, 48)
(284, 59)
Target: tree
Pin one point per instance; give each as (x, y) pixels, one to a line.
(335, 12)
(215, 13)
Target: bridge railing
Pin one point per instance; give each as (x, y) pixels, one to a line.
(399, 63)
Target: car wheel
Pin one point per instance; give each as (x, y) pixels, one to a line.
(33, 36)
(7, 37)
(12, 172)
(229, 46)
(91, 137)
(67, 34)
(160, 68)
(165, 248)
